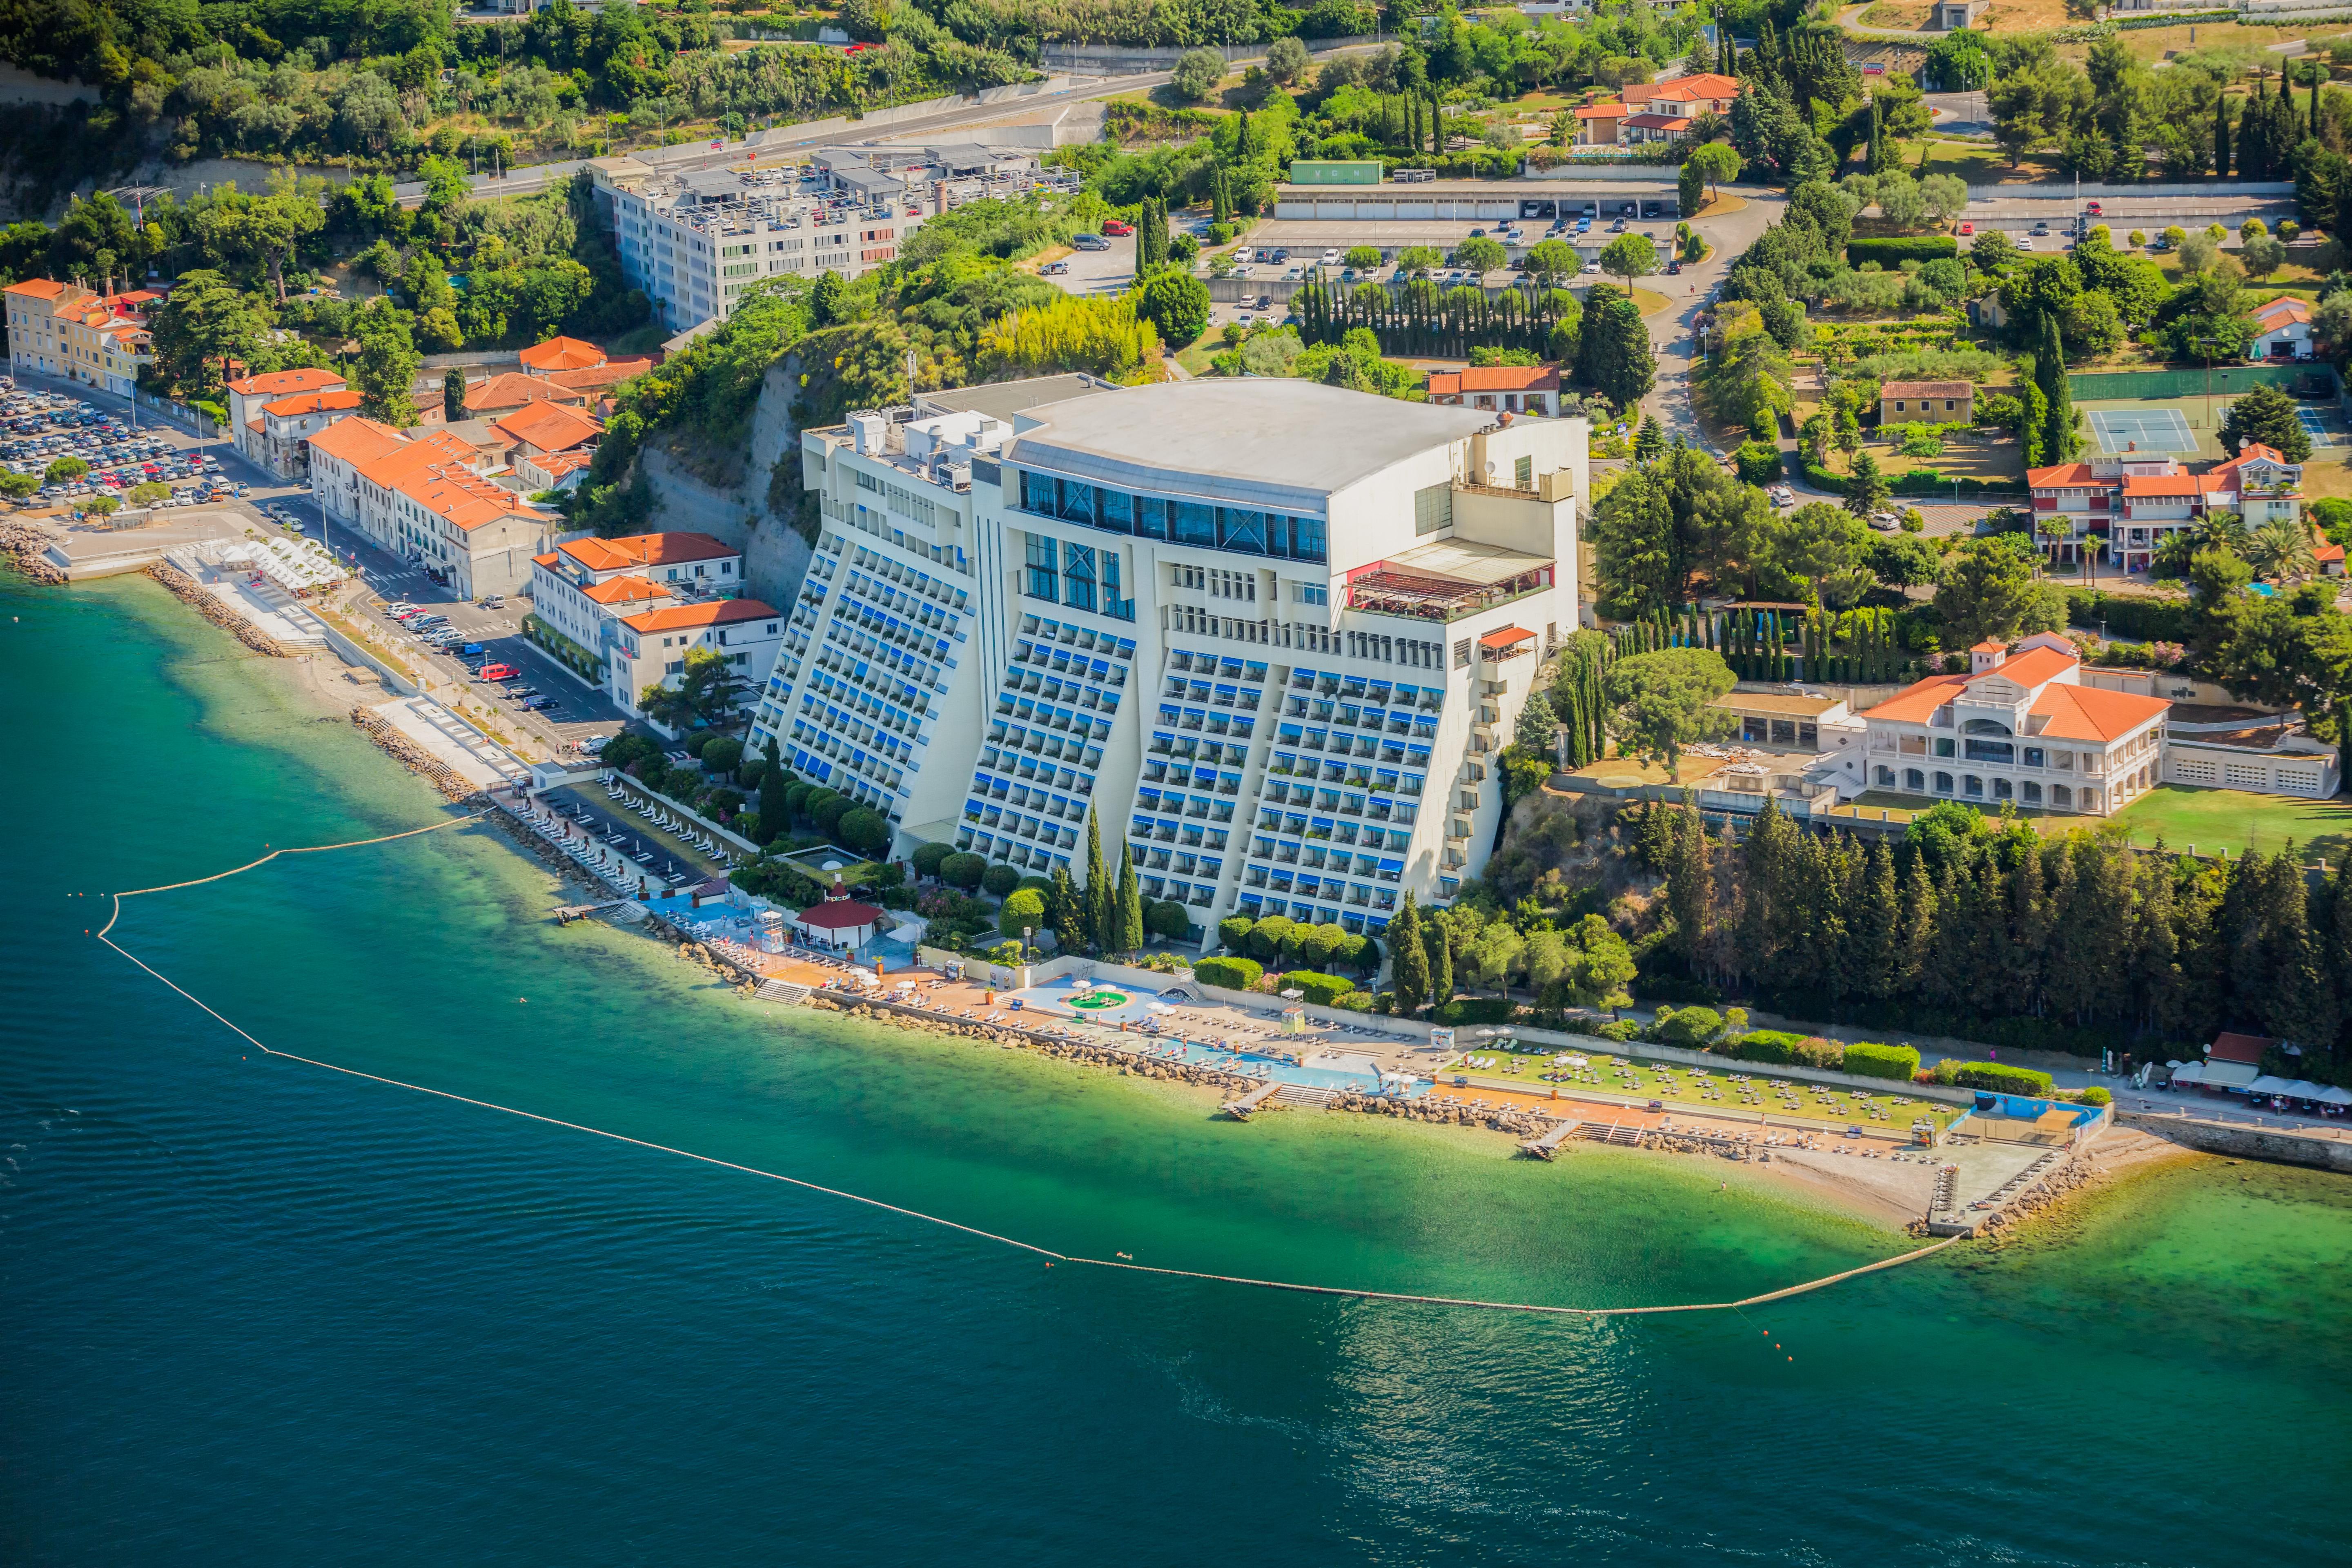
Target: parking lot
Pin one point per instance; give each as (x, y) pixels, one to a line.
(1106, 271)
(97, 451)
(1290, 251)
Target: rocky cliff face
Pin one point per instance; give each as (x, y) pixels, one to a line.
(775, 556)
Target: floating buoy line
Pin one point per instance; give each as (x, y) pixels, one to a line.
(1122, 1262)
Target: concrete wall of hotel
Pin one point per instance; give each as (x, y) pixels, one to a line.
(2239, 1140)
(354, 653)
(1152, 980)
(1521, 522)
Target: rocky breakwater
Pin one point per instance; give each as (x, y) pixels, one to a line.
(409, 754)
(25, 546)
(184, 587)
(1060, 1047)
(1520, 1122)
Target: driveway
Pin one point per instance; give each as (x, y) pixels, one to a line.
(1673, 330)
(1108, 271)
(1960, 113)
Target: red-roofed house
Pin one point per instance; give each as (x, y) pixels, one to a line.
(1520, 389)
(1596, 124)
(649, 647)
(427, 501)
(2129, 504)
(281, 432)
(2020, 726)
(580, 590)
(2282, 329)
(561, 354)
(1652, 125)
(248, 395)
(546, 427)
(1686, 94)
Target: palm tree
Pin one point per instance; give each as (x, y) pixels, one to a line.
(2281, 549)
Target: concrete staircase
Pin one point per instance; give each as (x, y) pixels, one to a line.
(783, 991)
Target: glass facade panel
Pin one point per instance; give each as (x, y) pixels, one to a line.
(1077, 502)
(1042, 576)
(1307, 539)
(1115, 510)
(1078, 575)
(1191, 522)
(1238, 529)
(1150, 517)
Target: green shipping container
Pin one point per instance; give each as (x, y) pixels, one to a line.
(1334, 171)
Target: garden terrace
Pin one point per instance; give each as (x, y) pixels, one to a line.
(1451, 579)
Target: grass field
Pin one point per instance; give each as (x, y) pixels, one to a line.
(2224, 819)
(1707, 1088)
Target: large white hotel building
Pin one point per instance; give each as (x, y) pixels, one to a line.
(1273, 632)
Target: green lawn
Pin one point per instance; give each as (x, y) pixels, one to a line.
(2232, 820)
(1694, 1087)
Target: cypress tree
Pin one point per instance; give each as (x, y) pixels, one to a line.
(775, 816)
(2058, 439)
(2314, 106)
(1410, 972)
(1131, 904)
(1066, 912)
(1096, 910)
(2222, 135)
(1439, 942)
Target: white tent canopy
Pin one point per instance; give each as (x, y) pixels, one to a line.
(2189, 1072)
(2270, 1083)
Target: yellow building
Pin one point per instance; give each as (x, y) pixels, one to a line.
(64, 330)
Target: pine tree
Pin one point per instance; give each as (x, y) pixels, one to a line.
(1130, 905)
(1875, 928)
(1097, 911)
(1409, 971)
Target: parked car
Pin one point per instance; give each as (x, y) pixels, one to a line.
(1330, 259)
(1115, 226)
(472, 648)
(1967, 229)
(1054, 269)
(1089, 242)
(2094, 209)
(497, 672)
(1885, 521)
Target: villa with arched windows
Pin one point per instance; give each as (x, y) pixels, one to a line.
(2018, 726)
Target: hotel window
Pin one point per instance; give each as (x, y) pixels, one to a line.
(1078, 575)
(1433, 508)
(1523, 473)
(1192, 523)
(1042, 576)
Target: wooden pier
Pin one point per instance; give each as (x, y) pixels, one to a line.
(1546, 1145)
(1248, 1105)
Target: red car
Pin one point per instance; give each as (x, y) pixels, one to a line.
(1113, 225)
(2094, 209)
(1967, 229)
(497, 672)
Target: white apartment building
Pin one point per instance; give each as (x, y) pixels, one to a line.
(1273, 633)
(308, 400)
(649, 647)
(583, 589)
(696, 241)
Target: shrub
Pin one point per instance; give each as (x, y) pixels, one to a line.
(1000, 880)
(929, 857)
(1231, 973)
(1480, 1010)
(865, 830)
(1872, 1060)
(1323, 990)
(722, 754)
(963, 869)
(827, 813)
(1999, 1076)
(1689, 1028)
(1891, 254)
(1618, 1029)
(626, 748)
(1170, 920)
(1024, 906)
(1363, 1002)
(1780, 1046)
(696, 743)
(2096, 1095)
(2133, 616)
(1760, 462)
(1234, 930)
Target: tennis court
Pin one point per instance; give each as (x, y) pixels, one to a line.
(2316, 425)
(2142, 430)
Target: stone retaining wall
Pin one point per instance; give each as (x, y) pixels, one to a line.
(2276, 1145)
(183, 586)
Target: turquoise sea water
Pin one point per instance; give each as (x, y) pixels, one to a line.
(263, 1313)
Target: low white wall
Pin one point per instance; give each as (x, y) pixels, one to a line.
(674, 809)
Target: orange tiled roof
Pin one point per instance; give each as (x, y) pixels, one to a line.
(612, 372)
(1928, 389)
(2163, 485)
(2029, 669)
(547, 426)
(555, 465)
(547, 560)
(1603, 111)
(279, 383)
(562, 353)
(2093, 714)
(2285, 307)
(358, 441)
(2328, 553)
(624, 591)
(451, 490)
(1915, 702)
(1706, 84)
(2060, 474)
(708, 613)
(1495, 378)
(313, 402)
(645, 549)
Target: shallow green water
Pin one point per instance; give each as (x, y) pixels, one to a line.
(265, 1312)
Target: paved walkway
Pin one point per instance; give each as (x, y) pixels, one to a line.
(1674, 329)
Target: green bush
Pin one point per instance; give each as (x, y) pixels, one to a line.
(1234, 930)
(1871, 1060)
(750, 772)
(1231, 974)
(626, 748)
(2095, 1095)
(1760, 462)
(1169, 920)
(865, 830)
(1000, 880)
(1891, 254)
(2131, 616)
(929, 857)
(1999, 1077)
(962, 869)
(1780, 1046)
(1362, 1002)
(827, 813)
(1688, 1027)
(700, 742)
(1480, 1010)
(722, 754)
(1024, 907)
(1618, 1029)
(1323, 990)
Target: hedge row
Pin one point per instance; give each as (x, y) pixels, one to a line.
(1780, 1045)
(1477, 1010)
(1998, 1076)
(1233, 973)
(1323, 990)
(1870, 1059)
(2130, 616)
(1927, 481)
(1893, 253)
